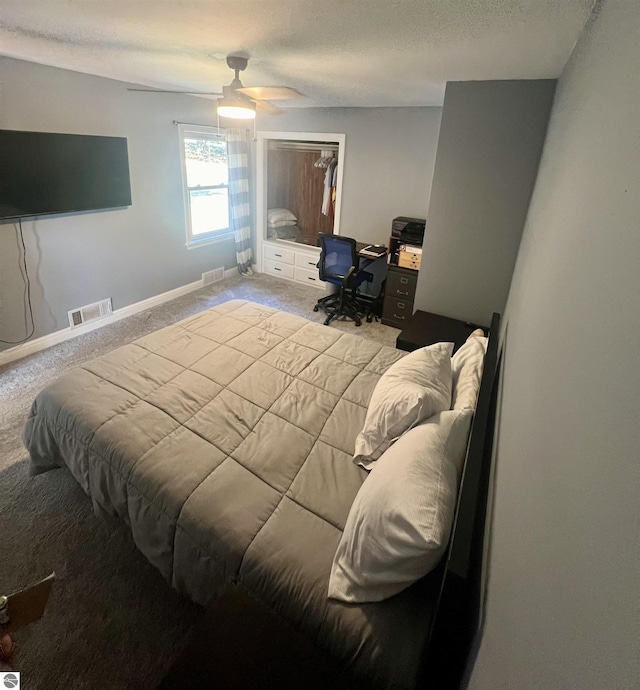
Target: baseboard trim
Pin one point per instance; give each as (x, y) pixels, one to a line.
(32, 346)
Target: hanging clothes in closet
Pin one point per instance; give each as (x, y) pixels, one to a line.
(330, 181)
(334, 188)
(296, 172)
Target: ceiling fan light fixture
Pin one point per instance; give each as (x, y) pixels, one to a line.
(236, 108)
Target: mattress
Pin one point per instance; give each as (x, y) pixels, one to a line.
(225, 442)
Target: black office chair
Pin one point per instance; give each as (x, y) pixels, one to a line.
(340, 265)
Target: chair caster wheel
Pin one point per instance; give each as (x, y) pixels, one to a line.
(315, 308)
(369, 319)
(358, 323)
(327, 321)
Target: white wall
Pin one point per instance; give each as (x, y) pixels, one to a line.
(138, 252)
(564, 587)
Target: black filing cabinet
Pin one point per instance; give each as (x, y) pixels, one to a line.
(399, 295)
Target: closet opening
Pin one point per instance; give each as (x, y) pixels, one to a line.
(302, 180)
(299, 186)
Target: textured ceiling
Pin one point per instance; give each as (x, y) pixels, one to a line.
(337, 52)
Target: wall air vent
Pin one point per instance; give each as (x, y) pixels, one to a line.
(214, 276)
(90, 312)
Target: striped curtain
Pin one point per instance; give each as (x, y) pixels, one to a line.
(239, 196)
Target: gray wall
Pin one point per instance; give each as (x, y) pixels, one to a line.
(490, 143)
(139, 252)
(128, 254)
(564, 581)
(390, 154)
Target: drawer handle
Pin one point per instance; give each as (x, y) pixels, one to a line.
(402, 292)
(275, 268)
(312, 263)
(310, 278)
(404, 281)
(400, 318)
(400, 305)
(278, 255)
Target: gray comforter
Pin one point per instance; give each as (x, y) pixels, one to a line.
(225, 443)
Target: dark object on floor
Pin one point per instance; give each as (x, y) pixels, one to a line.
(19, 609)
(239, 644)
(340, 265)
(424, 328)
(28, 605)
(7, 645)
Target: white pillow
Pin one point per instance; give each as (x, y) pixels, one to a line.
(276, 214)
(466, 370)
(411, 390)
(399, 523)
(281, 223)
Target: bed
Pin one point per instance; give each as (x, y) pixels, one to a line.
(225, 442)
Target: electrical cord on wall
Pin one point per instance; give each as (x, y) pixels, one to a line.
(25, 275)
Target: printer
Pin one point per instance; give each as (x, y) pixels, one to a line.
(408, 230)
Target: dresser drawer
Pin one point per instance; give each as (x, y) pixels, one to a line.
(285, 256)
(275, 268)
(397, 312)
(401, 284)
(308, 261)
(309, 277)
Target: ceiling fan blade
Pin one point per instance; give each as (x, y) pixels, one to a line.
(186, 93)
(268, 108)
(270, 93)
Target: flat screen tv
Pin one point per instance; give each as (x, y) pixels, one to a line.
(44, 173)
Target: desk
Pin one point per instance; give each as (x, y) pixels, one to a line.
(372, 294)
(424, 328)
(361, 246)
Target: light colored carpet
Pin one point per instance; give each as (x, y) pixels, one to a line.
(112, 621)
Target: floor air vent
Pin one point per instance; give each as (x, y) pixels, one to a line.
(90, 312)
(213, 276)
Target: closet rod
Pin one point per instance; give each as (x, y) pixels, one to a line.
(304, 145)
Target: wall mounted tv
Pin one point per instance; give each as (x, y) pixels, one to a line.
(43, 173)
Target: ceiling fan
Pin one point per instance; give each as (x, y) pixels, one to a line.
(239, 101)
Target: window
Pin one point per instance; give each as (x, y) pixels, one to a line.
(205, 177)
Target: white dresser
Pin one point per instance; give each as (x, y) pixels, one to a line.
(292, 261)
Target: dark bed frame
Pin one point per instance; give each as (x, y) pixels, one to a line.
(457, 626)
(239, 644)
